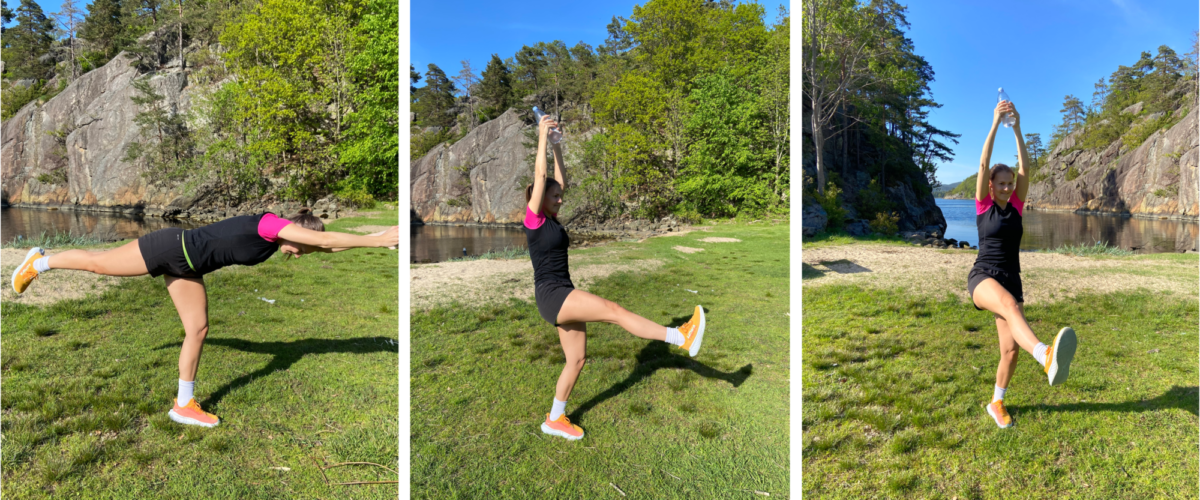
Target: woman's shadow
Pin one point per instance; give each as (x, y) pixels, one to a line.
(288, 353)
(1183, 398)
(656, 356)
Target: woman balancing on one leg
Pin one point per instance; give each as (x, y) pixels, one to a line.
(994, 282)
(184, 257)
(569, 309)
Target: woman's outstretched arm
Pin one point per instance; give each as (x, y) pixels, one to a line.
(559, 166)
(539, 165)
(334, 240)
(1023, 159)
(981, 183)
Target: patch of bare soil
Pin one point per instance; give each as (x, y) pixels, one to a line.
(1046, 277)
(685, 230)
(490, 281)
(715, 239)
(687, 249)
(51, 286)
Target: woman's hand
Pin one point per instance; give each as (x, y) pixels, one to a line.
(389, 238)
(1002, 108)
(544, 127)
(1015, 115)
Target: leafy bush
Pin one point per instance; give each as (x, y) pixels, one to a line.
(1139, 133)
(1169, 192)
(886, 224)
(873, 200)
(833, 206)
(1072, 173)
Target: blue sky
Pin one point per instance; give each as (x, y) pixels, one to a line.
(1039, 51)
(447, 32)
(48, 7)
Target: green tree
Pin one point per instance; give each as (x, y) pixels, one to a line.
(495, 89)
(1033, 144)
(1073, 114)
(371, 151)
(103, 27)
(435, 100)
(729, 166)
(775, 102)
(165, 142)
(27, 42)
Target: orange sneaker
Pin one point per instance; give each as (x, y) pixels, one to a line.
(1059, 356)
(191, 414)
(693, 332)
(25, 273)
(999, 414)
(562, 428)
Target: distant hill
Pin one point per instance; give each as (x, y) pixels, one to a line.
(943, 189)
(964, 190)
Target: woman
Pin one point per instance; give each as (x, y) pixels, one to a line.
(994, 282)
(185, 256)
(561, 305)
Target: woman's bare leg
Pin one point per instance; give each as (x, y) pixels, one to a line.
(583, 307)
(191, 301)
(990, 296)
(573, 337)
(1008, 352)
(125, 260)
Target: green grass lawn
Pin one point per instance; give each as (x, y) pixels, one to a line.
(895, 387)
(659, 424)
(87, 385)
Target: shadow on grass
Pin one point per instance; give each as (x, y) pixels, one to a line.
(1184, 398)
(655, 356)
(287, 354)
(810, 272)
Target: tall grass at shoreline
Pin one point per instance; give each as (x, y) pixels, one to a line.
(508, 253)
(56, 240)
(1097, 248)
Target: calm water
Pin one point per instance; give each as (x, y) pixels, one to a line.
(1047, 230)
(432, 243)
(31, 222)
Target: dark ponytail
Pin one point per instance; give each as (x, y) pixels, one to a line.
(307, 220)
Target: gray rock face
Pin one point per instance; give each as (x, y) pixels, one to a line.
(96, 114)
(1155, 178)
(813, 219)
(478, 179)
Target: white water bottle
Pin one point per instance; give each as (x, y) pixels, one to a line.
(555, 134)
(1007, 120)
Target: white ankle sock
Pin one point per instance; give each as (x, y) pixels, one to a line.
(1039, 353)
(185, 392)
(42, 265)
(674, 337)
(558, 409)
(998, 393)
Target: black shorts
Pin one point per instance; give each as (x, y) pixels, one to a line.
(164, 253)
(1009, 280)
(550, 298)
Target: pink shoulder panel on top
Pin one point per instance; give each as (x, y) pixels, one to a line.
(269, 226)
(532, 220)
(982, 206)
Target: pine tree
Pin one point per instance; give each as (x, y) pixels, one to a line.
(435, 100)
(27, 42)
(69, 18)
(466, 80)
(495, 89)
(103, 27)
(413, 79)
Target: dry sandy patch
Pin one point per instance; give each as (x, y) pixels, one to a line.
(490, 281)
(1046, 277)
(370, 229)
(687, 249)
(715, 239)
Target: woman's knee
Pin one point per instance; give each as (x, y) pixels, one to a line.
(576, 361)
(1008, 352)
(197, 332)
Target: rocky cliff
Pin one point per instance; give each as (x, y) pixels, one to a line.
(1157, 178)
(479, 179)
(75, 141)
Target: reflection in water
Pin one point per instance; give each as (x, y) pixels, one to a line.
(31, 222)
(432, 243)
(1048, 230)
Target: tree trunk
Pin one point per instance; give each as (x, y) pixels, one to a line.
(182, 65)
(818, 144)
(845, 145)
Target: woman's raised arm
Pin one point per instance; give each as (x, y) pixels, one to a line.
(981, 183)
(539, 165)
(335, 240)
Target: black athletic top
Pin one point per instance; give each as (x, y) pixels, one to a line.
(548, 242)
(1000, 234)
(235, 240)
